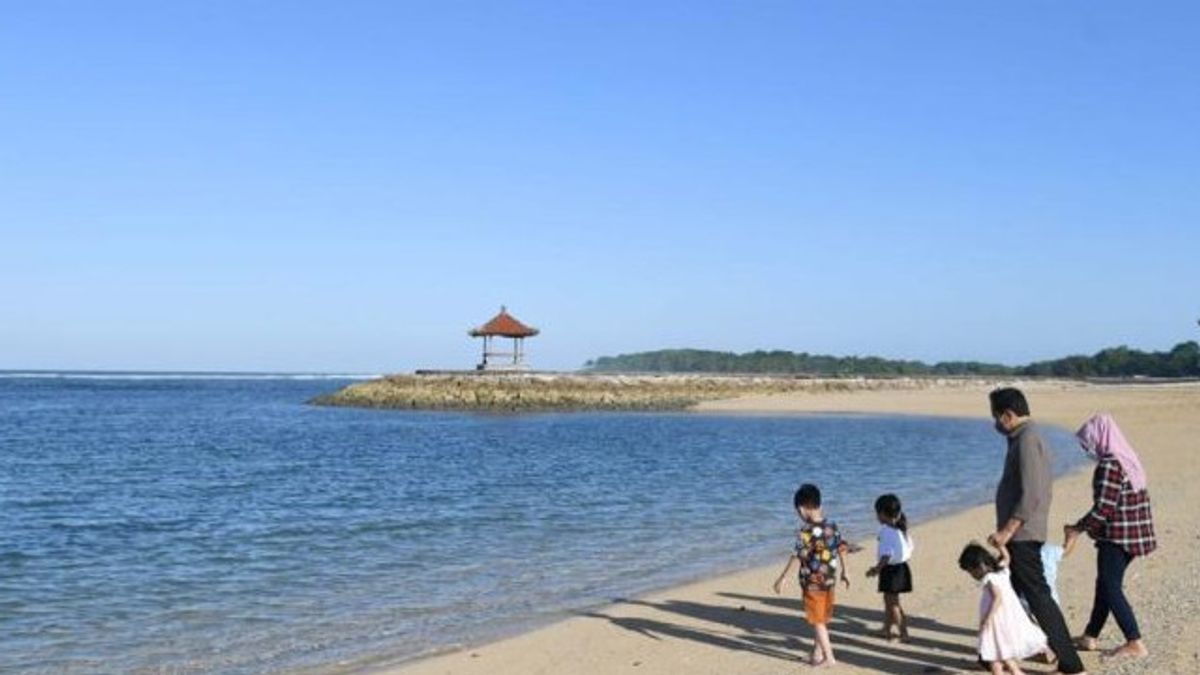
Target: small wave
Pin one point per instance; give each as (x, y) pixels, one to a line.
(14, 557)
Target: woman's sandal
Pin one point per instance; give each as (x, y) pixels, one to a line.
(1086, 643)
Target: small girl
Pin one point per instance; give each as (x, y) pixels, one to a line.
(894, 550)
(1006, 635)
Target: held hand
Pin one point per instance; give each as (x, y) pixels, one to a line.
(999, 538)
(872, 572)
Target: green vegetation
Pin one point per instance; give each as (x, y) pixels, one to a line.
(1182, 361)
(777, 362)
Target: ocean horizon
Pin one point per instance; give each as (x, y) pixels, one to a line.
(35, 373)
(215, 522)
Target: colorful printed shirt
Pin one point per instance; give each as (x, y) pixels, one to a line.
(1119, 514)
(818, 546)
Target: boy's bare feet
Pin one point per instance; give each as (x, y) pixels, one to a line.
(1087, 643)
(1134, 649)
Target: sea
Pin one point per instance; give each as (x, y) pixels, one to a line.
(219, 523)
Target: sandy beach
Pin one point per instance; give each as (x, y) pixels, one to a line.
(735, 624)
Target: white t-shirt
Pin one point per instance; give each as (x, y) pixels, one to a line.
(894, 544)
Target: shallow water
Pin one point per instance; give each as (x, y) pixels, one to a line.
(173, 524)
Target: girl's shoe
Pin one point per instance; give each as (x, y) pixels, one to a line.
(1087, 643)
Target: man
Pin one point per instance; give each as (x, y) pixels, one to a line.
(1022, 511)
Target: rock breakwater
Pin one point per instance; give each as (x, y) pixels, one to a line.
(511, 392)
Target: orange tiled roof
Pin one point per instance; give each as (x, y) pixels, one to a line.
(504, 325)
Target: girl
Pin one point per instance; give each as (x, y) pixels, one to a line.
(1122, 525)
(894, 550)
(1006, 635)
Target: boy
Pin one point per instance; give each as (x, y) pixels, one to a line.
(820, 554)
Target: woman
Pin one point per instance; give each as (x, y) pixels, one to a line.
(1120, 523)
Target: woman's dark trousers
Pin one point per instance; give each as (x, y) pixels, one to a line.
(1111, 562)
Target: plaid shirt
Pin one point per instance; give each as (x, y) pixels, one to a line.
(1119, 514)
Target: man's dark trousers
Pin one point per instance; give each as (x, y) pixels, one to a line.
(1029, 581)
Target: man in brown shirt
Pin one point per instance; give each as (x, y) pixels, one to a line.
(1022, 509)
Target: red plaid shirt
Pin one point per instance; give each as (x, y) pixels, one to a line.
(1119, 514)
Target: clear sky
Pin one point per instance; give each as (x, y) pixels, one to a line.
(352, 185)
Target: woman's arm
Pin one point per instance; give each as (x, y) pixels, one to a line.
(1108, 481)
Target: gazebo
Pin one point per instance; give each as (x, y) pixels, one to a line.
(503, 325)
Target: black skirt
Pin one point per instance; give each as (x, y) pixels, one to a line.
(895, 579)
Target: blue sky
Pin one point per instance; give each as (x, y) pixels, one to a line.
(351, 186)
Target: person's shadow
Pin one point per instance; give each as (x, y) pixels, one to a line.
(773, 627)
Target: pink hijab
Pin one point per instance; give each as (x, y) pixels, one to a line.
(1100, 437)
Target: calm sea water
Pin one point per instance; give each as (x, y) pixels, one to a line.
(222, 525)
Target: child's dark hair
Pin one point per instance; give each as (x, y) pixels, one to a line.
(1008, 398)
(808, 496)
(888, 506)
(975, 556)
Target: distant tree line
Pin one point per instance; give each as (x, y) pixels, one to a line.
(1182, 361)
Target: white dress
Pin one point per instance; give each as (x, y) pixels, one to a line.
(1010, 634)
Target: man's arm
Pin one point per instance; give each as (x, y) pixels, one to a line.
(1001, 537)
(1035, 479)
(1035, 485)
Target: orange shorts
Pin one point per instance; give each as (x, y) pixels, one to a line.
(818, 606)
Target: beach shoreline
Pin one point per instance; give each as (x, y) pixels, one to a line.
(732, 623)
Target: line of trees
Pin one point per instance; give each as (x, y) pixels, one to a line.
(1181, 361)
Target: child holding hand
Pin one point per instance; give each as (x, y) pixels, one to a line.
(1006, 635)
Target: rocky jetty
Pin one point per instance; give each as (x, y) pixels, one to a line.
(511, 392)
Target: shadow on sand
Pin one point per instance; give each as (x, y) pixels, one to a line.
(773, 626)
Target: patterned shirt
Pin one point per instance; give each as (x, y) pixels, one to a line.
(1120, 514)
(818, 546)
